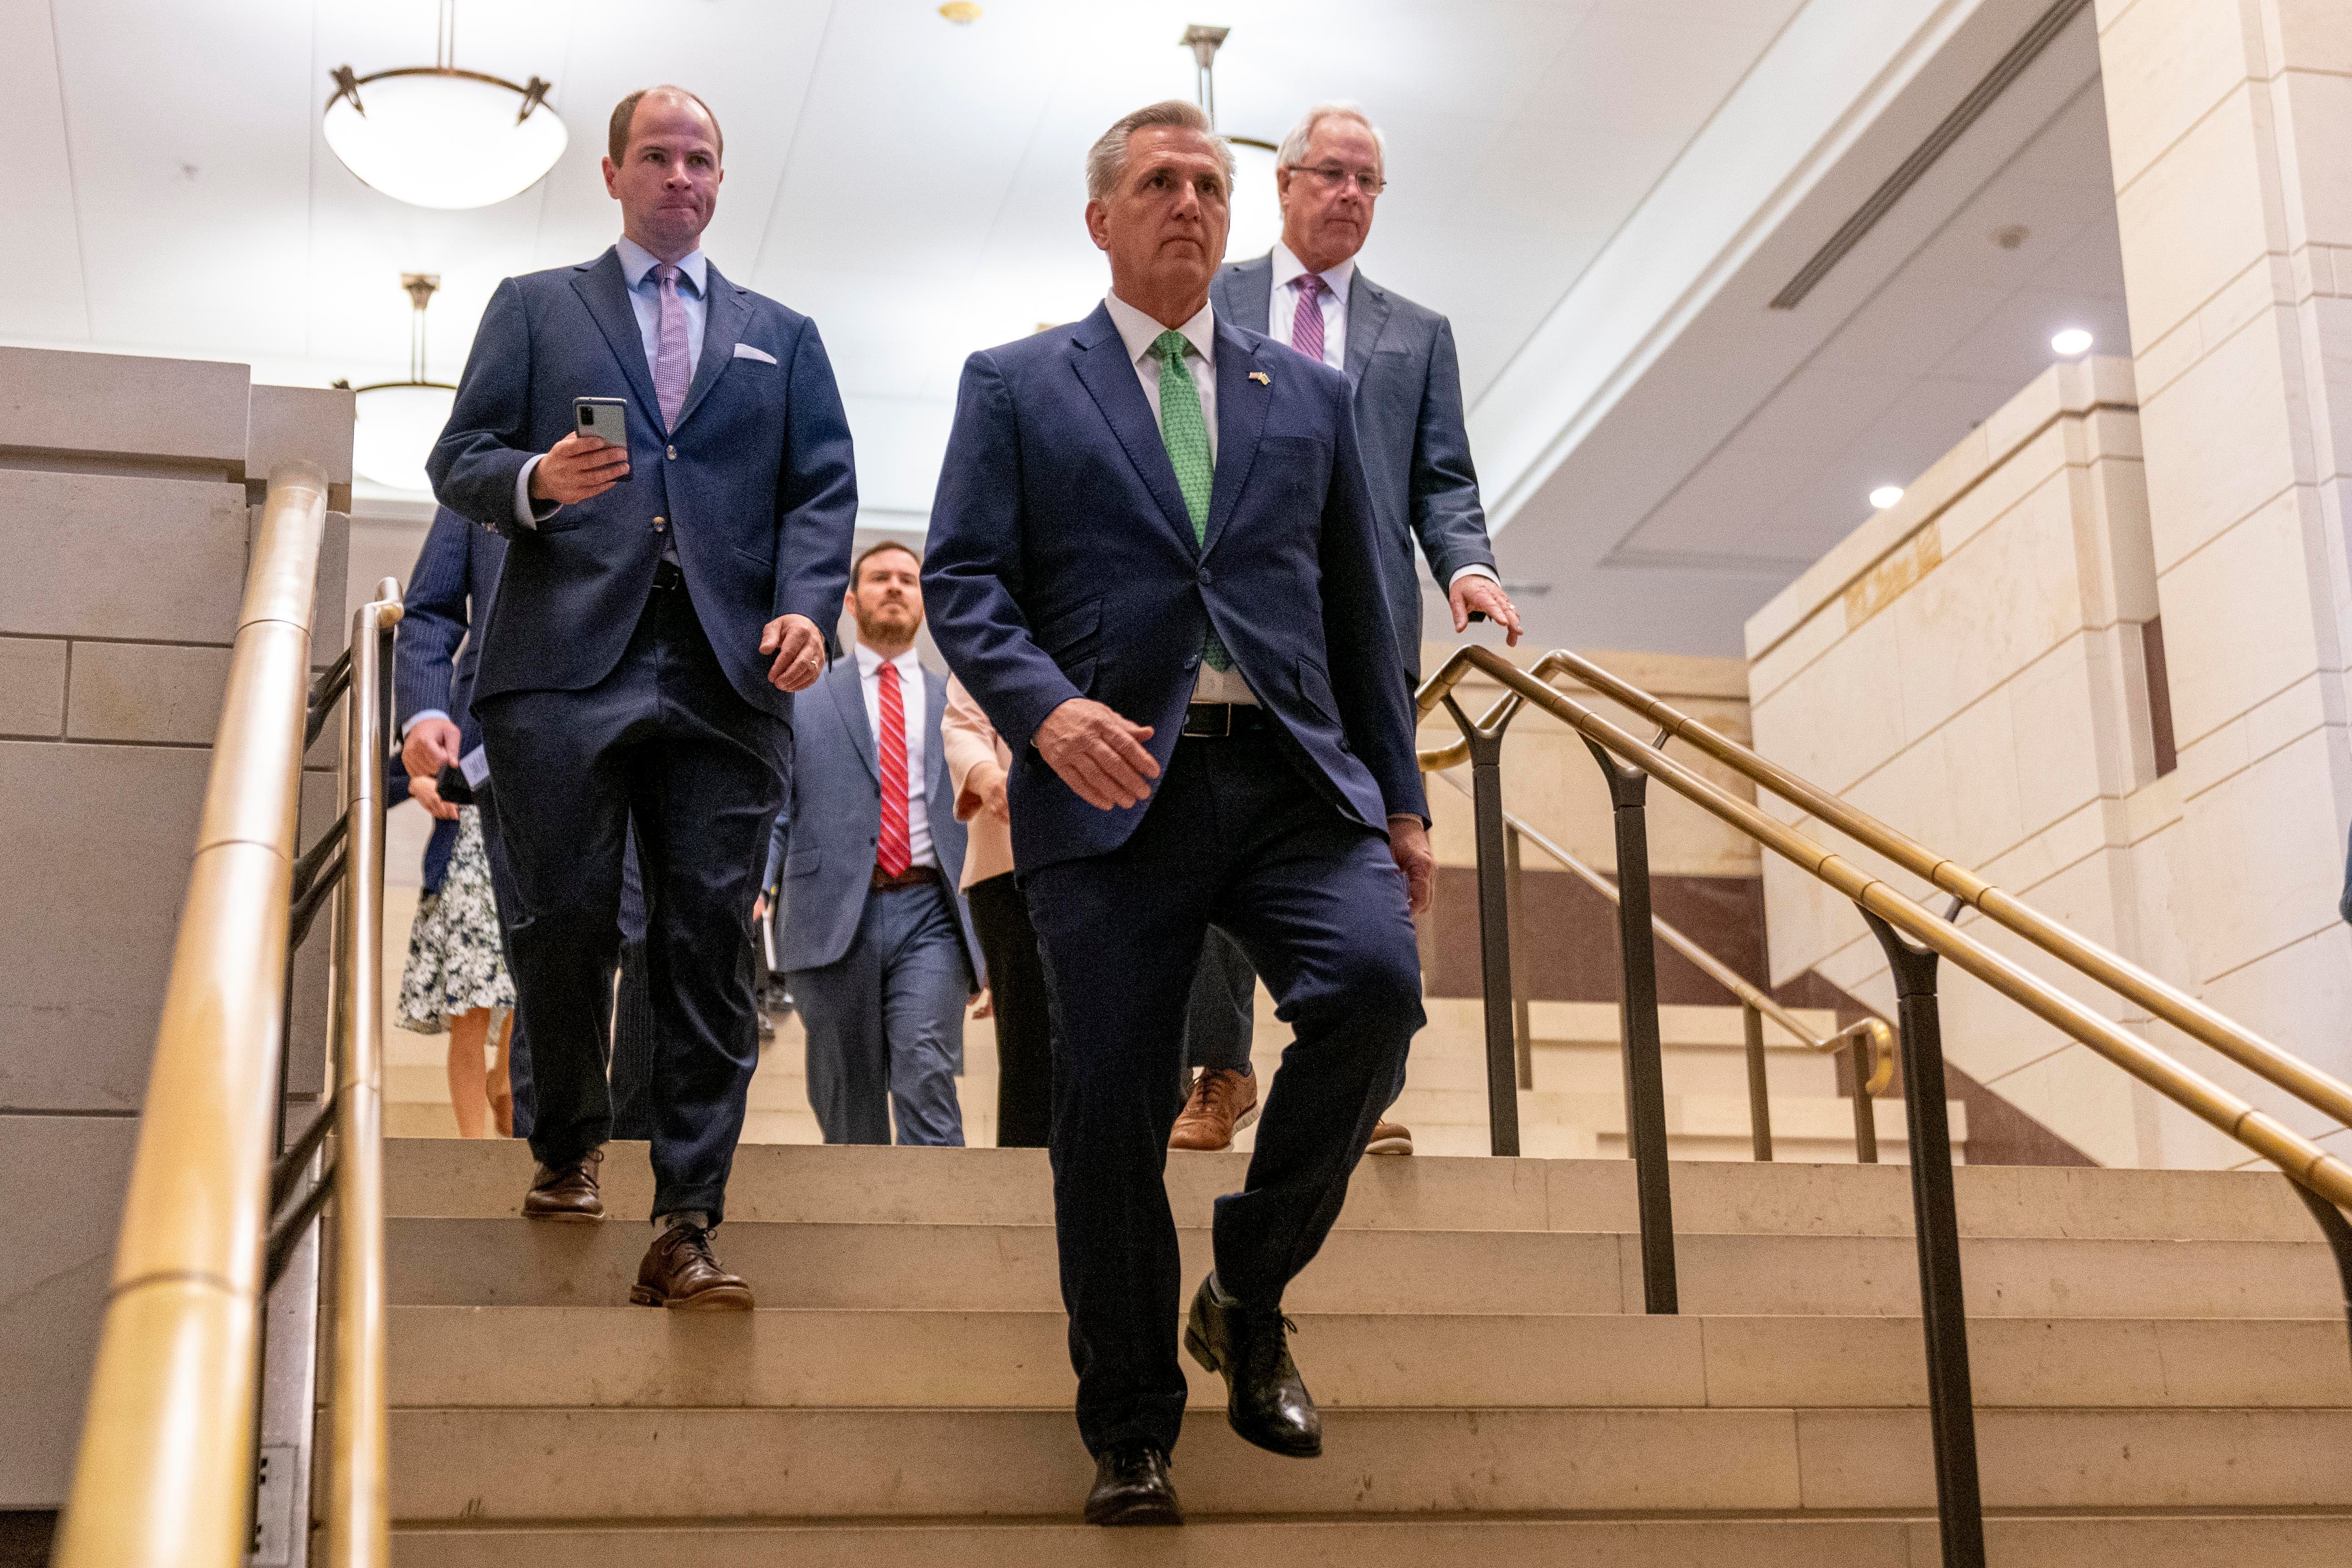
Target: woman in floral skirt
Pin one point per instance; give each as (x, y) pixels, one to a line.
(456, 980)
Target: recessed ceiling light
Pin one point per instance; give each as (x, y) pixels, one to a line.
(2071, 342)
(963, 13)
(1885, 496)
(2009, 236)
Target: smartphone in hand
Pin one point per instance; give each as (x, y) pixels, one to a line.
(605, 418)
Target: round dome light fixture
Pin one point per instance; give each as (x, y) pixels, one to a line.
(2072, 342)
(1885, 496)
(399, 421)
(435, 136)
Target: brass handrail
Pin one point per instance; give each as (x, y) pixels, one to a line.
(2316, 1088)
(1873, 1035)
(165, 1470)
(358, 1500)
(2300, 1158)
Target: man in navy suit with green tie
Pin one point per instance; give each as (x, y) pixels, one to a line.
(1154, 563)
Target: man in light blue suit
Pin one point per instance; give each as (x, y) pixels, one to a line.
(1154, 563)
(660, 602)
(1309, 295)
(874, 938)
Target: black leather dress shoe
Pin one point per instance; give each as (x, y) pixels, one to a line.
(1265, 1401)
(1131, 1487)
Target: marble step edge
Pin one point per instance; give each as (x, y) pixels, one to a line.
(457, 1178)
(627, 1357)
(2149, 1539)
(829, 1464)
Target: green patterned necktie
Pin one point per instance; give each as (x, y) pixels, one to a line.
(1186, 435)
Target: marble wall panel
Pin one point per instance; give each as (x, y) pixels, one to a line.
(2216, 446)
(156, 693)
(2315, 109)
(2203, 171)
(2167, 63)
(2253, 894)
(90, 525)
(32, 687)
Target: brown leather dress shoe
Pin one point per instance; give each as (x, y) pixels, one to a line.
(1222, 1103)
(1389, 1138)
(678, 1271)
(566, 1191)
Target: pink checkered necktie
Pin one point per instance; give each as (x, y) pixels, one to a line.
(673, 363)
(1306, 326)
(895, 850)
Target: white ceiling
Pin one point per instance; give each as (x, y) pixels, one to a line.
(915, 187)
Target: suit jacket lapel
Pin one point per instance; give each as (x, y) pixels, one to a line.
(723, 328)
(1241, 420)
(1100, 356)
(1249, 294)
(937, 787)
(848, 684)
(606, 291)
(1368, 311)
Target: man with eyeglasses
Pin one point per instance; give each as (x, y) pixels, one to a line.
(1399, 358)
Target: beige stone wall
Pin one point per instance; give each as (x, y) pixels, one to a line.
(126, 493)
(1968, 666)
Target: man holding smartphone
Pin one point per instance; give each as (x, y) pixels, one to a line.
(638, 659)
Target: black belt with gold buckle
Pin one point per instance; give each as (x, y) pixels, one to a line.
(1217, 720)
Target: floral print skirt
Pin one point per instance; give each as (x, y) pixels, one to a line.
(455, 963)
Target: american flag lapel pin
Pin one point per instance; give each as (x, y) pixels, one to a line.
(1260, 377)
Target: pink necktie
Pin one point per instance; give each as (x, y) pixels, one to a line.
(896, 850)
(1306, 326)
(673, 365)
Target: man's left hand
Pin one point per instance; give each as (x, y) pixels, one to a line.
(799, 648)
(1409, 843)
(1472, 592)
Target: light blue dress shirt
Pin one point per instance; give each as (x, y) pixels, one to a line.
(637, 265)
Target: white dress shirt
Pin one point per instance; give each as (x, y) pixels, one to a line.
(1283, 307)
(637, 265)
(911, 693)
(1138, 331)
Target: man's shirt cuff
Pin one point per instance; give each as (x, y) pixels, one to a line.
(1472, 569)
(527, 510)
(419, 717)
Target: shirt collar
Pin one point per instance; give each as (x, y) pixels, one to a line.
(869, 664)
(636, 261)
(1288, 269)
(1140, 332)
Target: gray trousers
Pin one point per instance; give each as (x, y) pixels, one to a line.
(885, 1023)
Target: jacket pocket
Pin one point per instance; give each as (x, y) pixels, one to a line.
(800, 863)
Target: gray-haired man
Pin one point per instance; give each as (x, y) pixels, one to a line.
(1399, 357)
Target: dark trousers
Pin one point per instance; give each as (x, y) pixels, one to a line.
(1221, 1013)
(1237, 836)
(665, 745)
(1025, 1026)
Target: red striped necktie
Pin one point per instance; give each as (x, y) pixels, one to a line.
(896, 850)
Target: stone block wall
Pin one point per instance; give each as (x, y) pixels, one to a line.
(128, 496)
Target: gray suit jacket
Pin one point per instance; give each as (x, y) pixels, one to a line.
(1408, 390)
(835, 820)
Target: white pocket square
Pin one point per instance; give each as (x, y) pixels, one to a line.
(745, 351)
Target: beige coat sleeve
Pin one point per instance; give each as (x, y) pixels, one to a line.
(972, 747)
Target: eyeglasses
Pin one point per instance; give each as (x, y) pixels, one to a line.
(1330, 175)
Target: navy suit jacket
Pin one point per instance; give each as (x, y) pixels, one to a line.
(836, 821)
(1408, 398)
(1061, 563)
(756, 481)
(433, 659)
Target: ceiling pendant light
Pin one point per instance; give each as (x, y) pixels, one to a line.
(1257, 210)
(435, 136)
(400, 420)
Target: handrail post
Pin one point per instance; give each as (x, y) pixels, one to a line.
(1951, 1403)
(1522, 1030)
(1865, 1113)
(1759, 1094)
(1645, 1076)
(1494, 927)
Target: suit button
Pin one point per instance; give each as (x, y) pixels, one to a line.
(1205, 578)
(659, 523)
(673, 454)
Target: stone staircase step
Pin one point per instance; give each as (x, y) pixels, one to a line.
(446, 1178)
(1011, 1268)
(466, 1465)
(638, 1358)
(2145, 1540)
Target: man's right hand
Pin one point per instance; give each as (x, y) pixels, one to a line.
(1098, 754)
(577, 468)
(431, 745)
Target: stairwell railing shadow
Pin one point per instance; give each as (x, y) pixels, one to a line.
(220, 1201)
(1916, 940)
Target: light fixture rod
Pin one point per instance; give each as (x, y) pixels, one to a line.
(1204, 41)
(421, 287)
